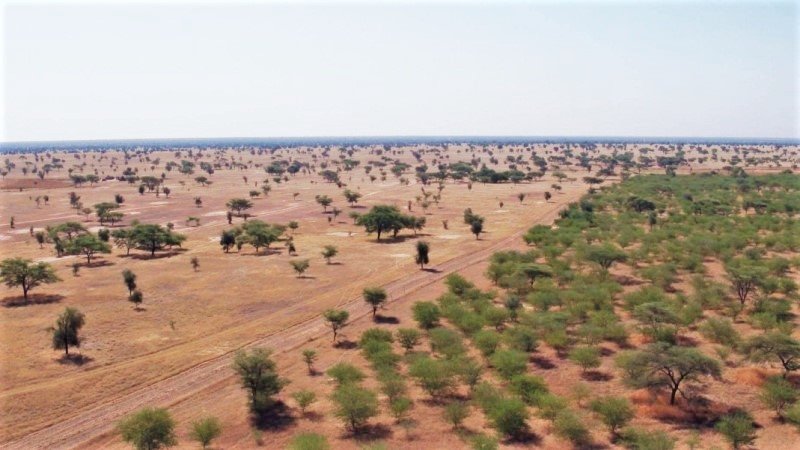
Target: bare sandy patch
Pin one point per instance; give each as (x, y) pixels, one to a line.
(215, 213)
(449, 236)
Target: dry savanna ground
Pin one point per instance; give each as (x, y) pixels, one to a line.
(191, 321)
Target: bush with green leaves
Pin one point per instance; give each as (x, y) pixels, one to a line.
(309, 441)
(640, 439)
(435, 377)
(569, 426)
(426, 314)
(258, 375)
(354, 405)
(528, 387)
(508, 416)
(509, 363)
(148, 429)
(455, 412)
(614, 412)
(737, 428)
(345, 374)
(586, 357)
(206, 430)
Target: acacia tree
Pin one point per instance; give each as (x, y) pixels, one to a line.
(88, 245)
(354, 405)
(324, 201)
(423, 248)
(23, 272)
(258, 375)
(662, 364)
(328, 252)
(152, 237)
(604, 255)
(336, 319)
(775, 346)
(383, 218)
(239, 205)
(745, 276)
(375, 297)
(352, 196)
(300, 266)
(65, 332)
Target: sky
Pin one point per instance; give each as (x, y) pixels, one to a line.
(73, 71)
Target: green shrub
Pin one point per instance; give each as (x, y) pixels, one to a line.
(309, 441)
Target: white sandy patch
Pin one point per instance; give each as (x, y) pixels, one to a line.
(215, 213)
(134, 213)
(501, 211)
(159, 203)
(21, 231)
(539, 202)
(448, 236)
(4, 237)
(55, 258)
(341, 234)
(95, 229)
(399, 255)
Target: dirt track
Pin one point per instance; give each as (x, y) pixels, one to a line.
(92, 423)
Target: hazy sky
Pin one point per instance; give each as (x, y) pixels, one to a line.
(146, 70)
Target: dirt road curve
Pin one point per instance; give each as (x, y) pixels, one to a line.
(90, 424)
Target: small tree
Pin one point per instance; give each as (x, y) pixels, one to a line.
(136, 298)
(324, 201)
(586, 357)
(777, 393)
(309, 441)
(509, 416)
(23, 272)
(129, 278)
(88, 245)
(614, 412)
(328, 252)
(455, 413)
(737, 428)
(375, 297)
(309, 356)
(605, 255)
(205, 430)
(408, 338)
(195, 263)
(336, 319)
(426, 314)
(354, 405)
(304, 399)
(423, 248)
(300, 266)
(65, 332)
(239, 205)
(148, 429)
(476, 228)
(258, 376)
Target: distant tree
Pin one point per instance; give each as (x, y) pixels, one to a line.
(148, 429)
(309, 356)
(423, 248)
(300, 266)
(375, 297)
(293, 225)
(23, 272)
(41, 238)
(509, 416)
(136, 298)
(455, 413)
(382, 218)
(65, 332)
(351, 196)
(258, 375)
(746, 277)
(336, 319)
(195, 263)
(129, 278)
(324, 201)
(205, 430)
(328, 252)
(227, 240)
(152, 237)
(476, 227)
(521, 197)
(547, 196)
(239, 205)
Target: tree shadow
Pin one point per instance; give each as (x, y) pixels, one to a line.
(526, 436)
(33, 299)
(334, 263)
(542, 362)
(77, 360)
(147, 256)
(372, 432)
(306, 277)
(431, 270)
(386, 319)
(96, 263)
(313, 416)
(596, 375)
(345, 344)
(275, 417)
